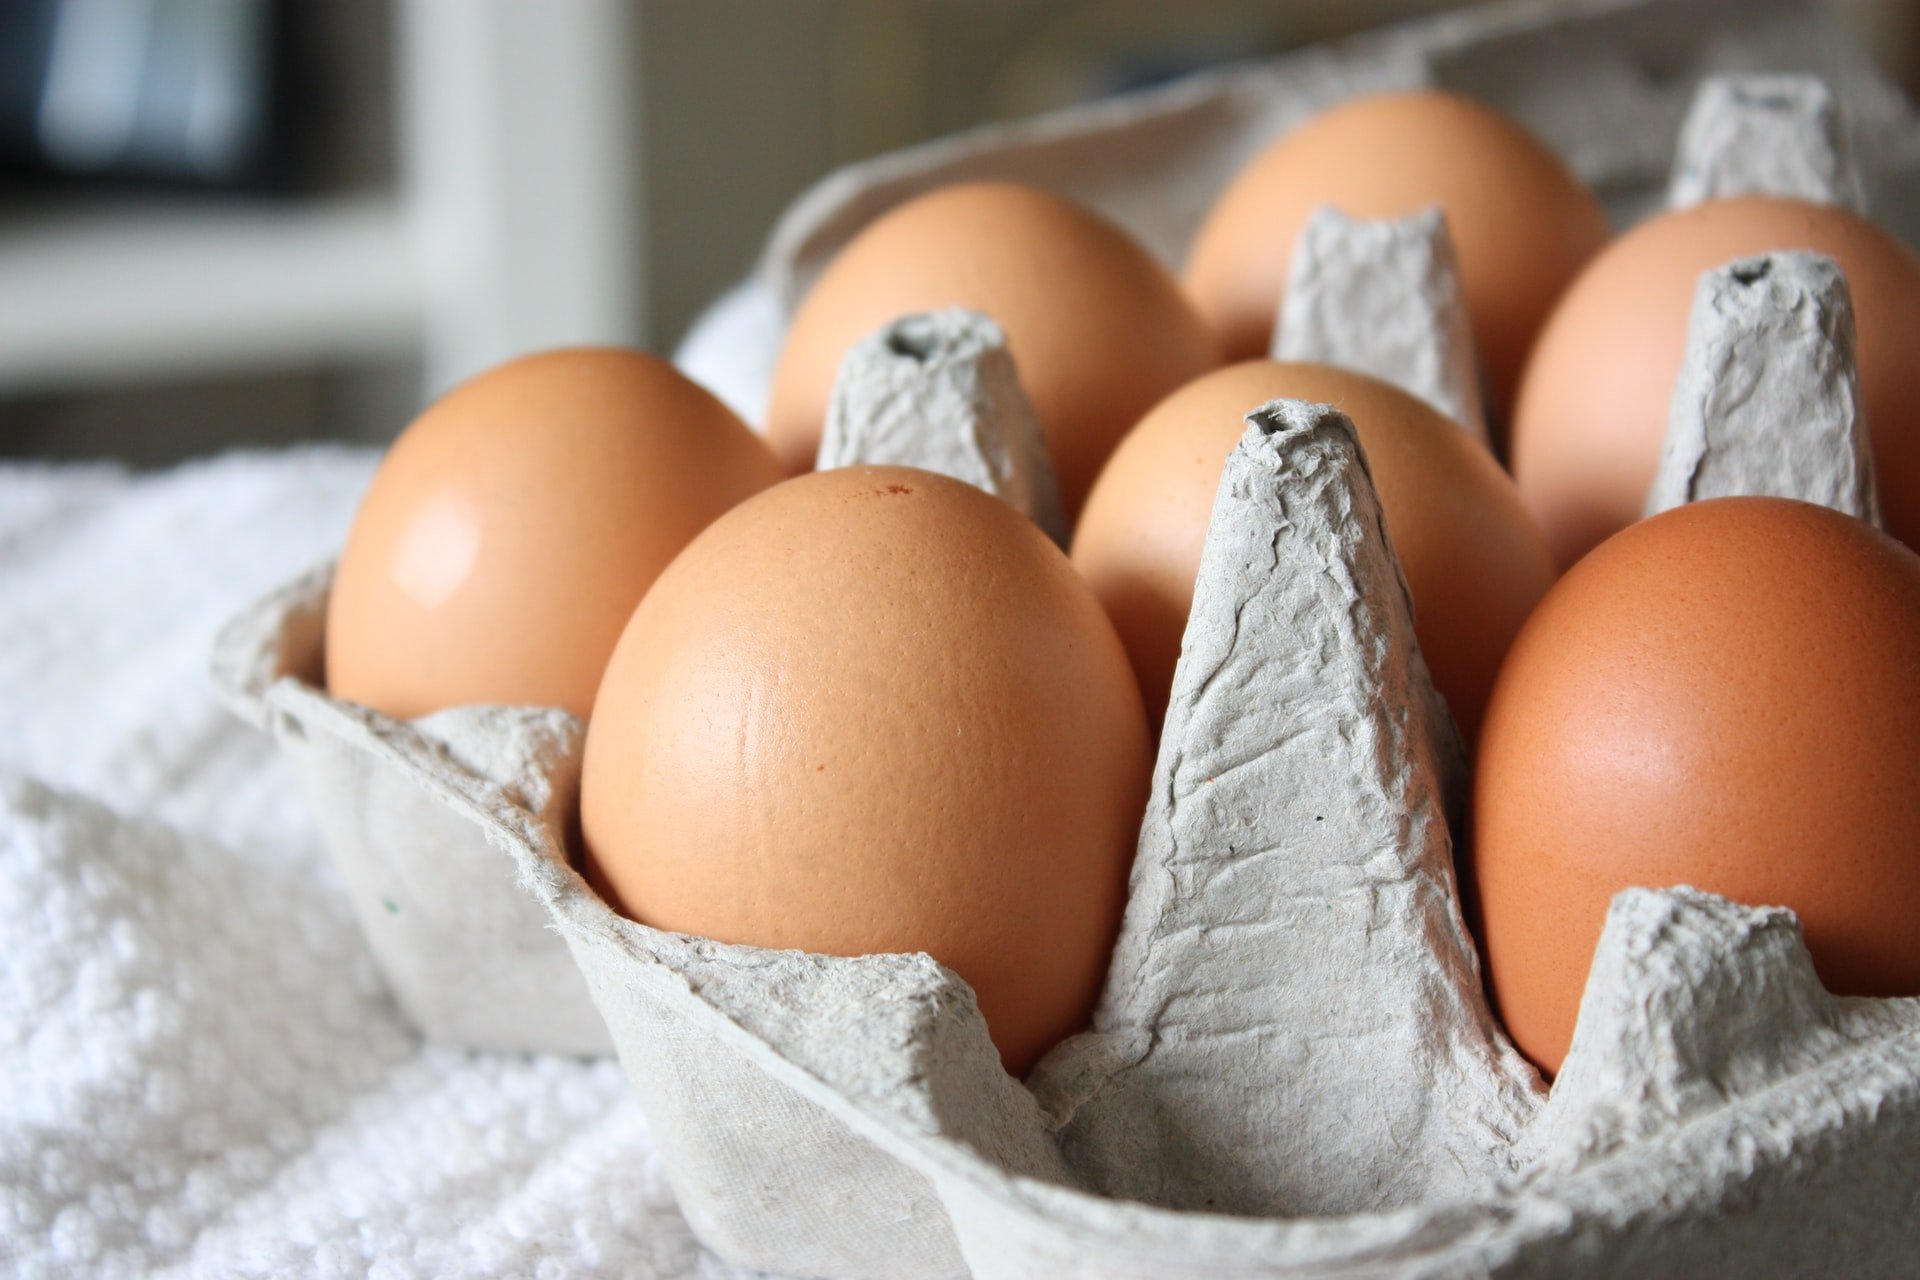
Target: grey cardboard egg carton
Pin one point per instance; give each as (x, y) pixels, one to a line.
(1293, 1070)
(1383, 297)
(1793, 419)
(939, 391)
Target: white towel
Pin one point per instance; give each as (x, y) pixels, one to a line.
(200, 1071)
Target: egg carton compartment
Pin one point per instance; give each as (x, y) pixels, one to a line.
(471, 958)
(1293, 1070)
(406, 811)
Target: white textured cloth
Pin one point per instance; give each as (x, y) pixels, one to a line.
(200, 1071)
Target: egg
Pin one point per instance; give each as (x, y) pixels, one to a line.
(1592, 412)
(1725, 696)
(511, 529)
(875, 710)
(1098, 329)
(1522, 224)
(1474, 562)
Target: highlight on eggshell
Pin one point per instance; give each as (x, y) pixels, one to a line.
(1522, 223)
(512, 528)
(874, 709)
(1726, 696)
(1593, 407)
(1099, 329)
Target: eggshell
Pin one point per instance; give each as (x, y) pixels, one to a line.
(1593, 408)
(1725, 696)
(514, 525)
(1474, 562)
(1521, 223)
(1098, 329)
(875, 710)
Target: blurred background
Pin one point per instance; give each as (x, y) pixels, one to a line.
(228, 222)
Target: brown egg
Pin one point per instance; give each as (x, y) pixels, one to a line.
(1725, 696)
(1521, 223)
(511, 530)
(1473, 559)
(1098, 329)
(1593, 408)
(875, 710)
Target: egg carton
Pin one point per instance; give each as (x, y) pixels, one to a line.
(1293, 1071)
(1293, 932)
(410, 813)
(1607, 81)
